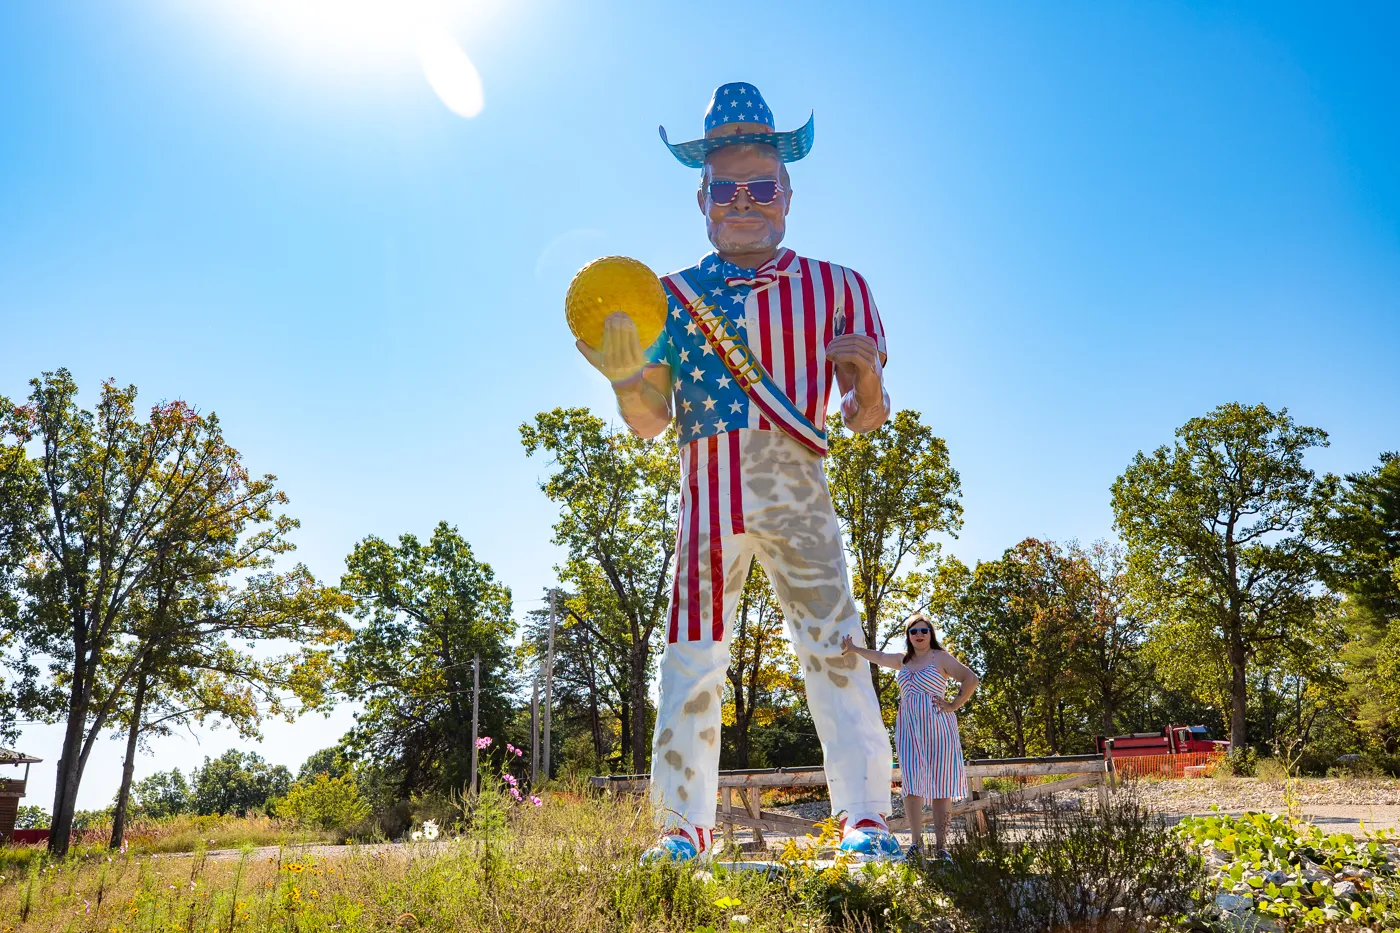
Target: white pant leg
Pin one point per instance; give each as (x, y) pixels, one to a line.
(798, 540)
(686, 742)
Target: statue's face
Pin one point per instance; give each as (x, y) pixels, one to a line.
(743, 225)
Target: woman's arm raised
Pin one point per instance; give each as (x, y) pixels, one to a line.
(882, 658)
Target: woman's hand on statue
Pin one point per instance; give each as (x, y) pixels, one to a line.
(620, 357)
(847, 645)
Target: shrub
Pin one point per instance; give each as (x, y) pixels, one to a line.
(1272, 770)
(1242, 762)
(1073, 866)
(325, 803)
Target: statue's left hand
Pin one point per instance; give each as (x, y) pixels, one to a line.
(858, 355)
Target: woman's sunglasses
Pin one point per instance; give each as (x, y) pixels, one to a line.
(921, 630)
(760, 191)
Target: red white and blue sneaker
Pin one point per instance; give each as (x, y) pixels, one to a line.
(682, 845)
(869, 837)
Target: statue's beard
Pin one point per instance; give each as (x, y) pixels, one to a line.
(736, 241)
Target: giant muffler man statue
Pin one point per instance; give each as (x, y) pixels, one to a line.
(754, 337)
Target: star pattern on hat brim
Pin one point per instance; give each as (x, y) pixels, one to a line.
(791, 146)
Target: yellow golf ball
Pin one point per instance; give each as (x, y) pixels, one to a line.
(611, 284)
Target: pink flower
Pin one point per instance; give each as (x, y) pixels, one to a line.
(483, 742)
(518, 753)
(509, 779)
(515, 792)
(537, 801)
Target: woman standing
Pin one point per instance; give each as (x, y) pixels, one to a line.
(926, 732)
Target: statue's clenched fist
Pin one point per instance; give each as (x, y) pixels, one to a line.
(620, 357)
(858, 357)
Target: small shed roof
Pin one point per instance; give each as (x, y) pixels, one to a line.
(8, 756)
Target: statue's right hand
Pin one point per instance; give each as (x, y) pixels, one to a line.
(620, 357)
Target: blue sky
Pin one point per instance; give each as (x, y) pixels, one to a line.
(1083, 223)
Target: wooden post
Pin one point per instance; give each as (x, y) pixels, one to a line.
(750, 798)
(549, 683)
(476, 703)
(726, 806)
(976, 786)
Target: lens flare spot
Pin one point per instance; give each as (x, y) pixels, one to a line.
(450, 72)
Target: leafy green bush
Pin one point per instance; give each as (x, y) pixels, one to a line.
(1294, 871)
(325, 802)
(1242, 762)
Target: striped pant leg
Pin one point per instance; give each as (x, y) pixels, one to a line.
(712, 563)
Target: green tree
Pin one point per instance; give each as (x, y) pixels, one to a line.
(237, 782)
(618, 497)
(1058, 651)
(163, 794)
(192, 627)
(894, 489)
(21, 498)
(32, 817)
(978, 610)
(1364, 566)
(425, 610)
(328, 761)
(325, 802)
(1109, 632)
(1219, 535)
(120, 493)
(1364, 530)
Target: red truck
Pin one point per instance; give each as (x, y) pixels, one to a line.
(1171, 740)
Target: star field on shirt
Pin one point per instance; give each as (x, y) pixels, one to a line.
(787, 324)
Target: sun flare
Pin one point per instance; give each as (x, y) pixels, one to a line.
(367, 35)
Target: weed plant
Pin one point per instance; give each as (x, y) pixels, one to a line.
(1283, 868)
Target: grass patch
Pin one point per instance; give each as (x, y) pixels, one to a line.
(572, 866)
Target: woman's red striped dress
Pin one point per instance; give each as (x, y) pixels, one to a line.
(926, 740)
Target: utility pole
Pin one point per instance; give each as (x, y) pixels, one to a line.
(549, 679)
(535, 731)
(476, 704)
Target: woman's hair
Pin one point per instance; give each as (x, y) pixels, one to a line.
(932, 635)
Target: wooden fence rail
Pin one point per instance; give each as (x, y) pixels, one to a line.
(1074, 771)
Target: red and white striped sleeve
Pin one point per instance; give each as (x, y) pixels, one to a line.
(862, 317)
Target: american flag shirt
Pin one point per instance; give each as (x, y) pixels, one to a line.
(787, 311)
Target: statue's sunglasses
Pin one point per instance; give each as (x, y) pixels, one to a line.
(920, 630)
(759, 190)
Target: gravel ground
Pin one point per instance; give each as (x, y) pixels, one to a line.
(1341, 805)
